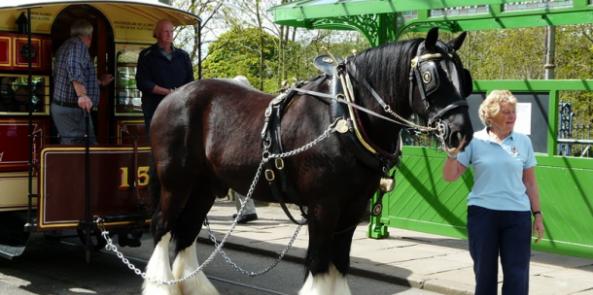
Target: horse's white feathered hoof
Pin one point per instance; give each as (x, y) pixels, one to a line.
(185, 263)
(150, 288)
(329, 283)
(158, 268)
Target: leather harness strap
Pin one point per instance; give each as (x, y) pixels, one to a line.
(275, 172)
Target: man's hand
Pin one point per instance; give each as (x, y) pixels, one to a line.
(105, 79)
(85, 103)
(161, 90)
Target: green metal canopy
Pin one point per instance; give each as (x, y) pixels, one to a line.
(385, 20)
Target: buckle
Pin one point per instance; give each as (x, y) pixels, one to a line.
(269, 175)
(279, 163)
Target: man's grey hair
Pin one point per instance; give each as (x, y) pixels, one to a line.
(81, 27)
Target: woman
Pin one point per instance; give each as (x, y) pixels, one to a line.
(503, 198)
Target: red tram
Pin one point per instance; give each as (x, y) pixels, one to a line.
(45, 186)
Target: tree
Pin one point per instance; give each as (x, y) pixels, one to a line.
(237, 52)
(187, 37)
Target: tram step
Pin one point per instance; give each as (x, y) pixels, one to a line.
(10, 252)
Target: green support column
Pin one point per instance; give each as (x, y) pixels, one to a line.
(377, 229)
(553, 102)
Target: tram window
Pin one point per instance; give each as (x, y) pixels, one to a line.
(14, 93)
(127, 97)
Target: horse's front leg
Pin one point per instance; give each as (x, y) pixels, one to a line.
(323, 277)
(158, 270)
(186, 230)
(342, 241)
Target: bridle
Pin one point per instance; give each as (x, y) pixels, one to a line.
(426, 78)
(421, 75)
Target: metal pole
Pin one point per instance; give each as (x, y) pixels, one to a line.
(29, 54)
(199, 50)
(550, 53)
(88, 224)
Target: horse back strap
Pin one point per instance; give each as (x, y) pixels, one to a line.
(275, 172)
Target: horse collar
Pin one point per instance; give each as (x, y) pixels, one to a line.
(365, 150)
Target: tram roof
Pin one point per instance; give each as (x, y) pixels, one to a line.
(131, 20)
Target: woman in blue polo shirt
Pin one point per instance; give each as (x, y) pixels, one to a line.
(502, 199)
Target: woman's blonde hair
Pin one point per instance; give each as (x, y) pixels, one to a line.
(491, 105)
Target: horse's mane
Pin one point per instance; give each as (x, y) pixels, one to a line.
(386, 67)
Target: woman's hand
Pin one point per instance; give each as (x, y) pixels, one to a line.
(538, 227)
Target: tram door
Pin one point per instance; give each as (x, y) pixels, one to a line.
(101, 51)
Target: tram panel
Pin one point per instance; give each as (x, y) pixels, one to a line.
(119, 181)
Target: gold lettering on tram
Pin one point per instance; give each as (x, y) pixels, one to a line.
(142, 177)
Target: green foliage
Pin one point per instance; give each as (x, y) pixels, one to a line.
(237, 52)
(300, 66)
(505, 54)
(574, 53)
(520, 54)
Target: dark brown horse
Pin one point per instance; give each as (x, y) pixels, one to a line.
(207, 138)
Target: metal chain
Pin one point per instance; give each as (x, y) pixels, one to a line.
(331, 129)
(253, 273)
(111, 247)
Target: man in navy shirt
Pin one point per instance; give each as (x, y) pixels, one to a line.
(161, 69)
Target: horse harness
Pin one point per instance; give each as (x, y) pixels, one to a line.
(351, 132)
(274, 172)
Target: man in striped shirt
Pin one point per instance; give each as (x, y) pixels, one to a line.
(76, 88)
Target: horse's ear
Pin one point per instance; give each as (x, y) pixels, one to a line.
(431, 39)
(457, 42)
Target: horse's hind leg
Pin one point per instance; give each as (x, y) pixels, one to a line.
(185, 231)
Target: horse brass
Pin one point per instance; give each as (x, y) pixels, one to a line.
(342, 126)
(427, 77)
(386, 184)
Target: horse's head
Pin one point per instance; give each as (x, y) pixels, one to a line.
(438, 87)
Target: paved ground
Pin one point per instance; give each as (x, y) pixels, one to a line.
(425, 261)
